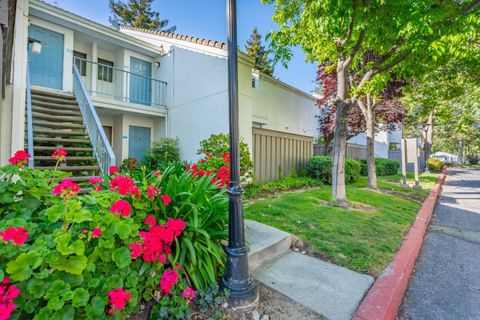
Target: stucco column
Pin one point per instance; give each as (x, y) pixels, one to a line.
(94, 68)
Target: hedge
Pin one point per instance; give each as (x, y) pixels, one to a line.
(320, 167)
(385, 167)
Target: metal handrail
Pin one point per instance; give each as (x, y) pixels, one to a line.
(31, 160)
(122, 79)
(101, 146)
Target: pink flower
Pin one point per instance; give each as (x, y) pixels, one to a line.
(60, 155)
(166, 199)
(188, 294)
(112, 170)
(176, 226)
(118, 297)
(157, 173)
(137, 250)
(151, 221)
(121, 208)
(18, 235)
(66, 189)
(8, 293)
(97, 232)
(19, 158)
(124, 185)
(168, 280)
(153, 191)
(96, 180)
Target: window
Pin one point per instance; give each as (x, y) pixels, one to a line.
(255, 79)
(80, 61)
(105, 70)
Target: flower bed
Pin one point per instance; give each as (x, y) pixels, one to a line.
(132, 238)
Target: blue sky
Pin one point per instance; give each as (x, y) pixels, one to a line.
(206, 19)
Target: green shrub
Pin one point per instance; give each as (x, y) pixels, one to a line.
(162, 152)
(320, 167)
(219, 144)
(384, 167)
(79, 247)
(434, 164)
(255, 190)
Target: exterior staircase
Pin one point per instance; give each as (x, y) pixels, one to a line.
(58, 123)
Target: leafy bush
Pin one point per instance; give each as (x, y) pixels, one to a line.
(162, 152)
(434, 164)
(473, 159)
(256, 190)
(219, 144)
(85, 256)
(384, 167)
(320, 167)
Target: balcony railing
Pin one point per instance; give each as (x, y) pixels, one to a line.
(106, 81)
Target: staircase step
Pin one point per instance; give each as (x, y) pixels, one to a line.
(60, 125)
(60, 133)
(50, 93)
(47, 96)
(71, 106)
(266, 243)
(68, 149)
(78, 178)
(42, 116)
(72, 168)
(60, 140)
(57, 111)
(69, 158)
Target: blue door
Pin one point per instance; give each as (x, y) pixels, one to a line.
(46, 68)
(138, 142)
(140, 81)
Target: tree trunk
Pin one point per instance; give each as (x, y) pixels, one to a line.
(460, 152)
(370, 122)
(327, 140)
(339, 195)
(429, 135)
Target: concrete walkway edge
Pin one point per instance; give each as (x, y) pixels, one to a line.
(385, 296)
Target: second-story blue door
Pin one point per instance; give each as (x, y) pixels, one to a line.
(46, 68)
(140, 81)
(138, 141)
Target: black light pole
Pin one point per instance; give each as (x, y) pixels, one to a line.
(237, 279)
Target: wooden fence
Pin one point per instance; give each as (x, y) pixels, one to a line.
(278, 154)
(354, 151)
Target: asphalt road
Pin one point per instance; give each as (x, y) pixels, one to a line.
(446, 281)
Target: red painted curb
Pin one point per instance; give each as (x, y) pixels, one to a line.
(385, 296)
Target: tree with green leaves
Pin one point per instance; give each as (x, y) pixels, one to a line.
(138, 14)
(255, 49)
(399, 34)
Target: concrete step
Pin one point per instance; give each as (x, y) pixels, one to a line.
(52, 96)
(59, 133)
(266, 243)
(72, 168)
(68, 149)
(60, 112)
(69, 158)
(37, 115)
(60, 140)
(59, 125)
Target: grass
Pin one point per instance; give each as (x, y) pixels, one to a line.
(361, 240)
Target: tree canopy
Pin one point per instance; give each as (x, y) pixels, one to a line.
(256, 49)
(138, 14)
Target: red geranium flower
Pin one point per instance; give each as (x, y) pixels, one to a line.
(151, 221)
(118, 297)
(169, 279)
(153, 191)
(188, 294)
(8, 293)
(60, 155)
(97, 232)
(176, 225)
(66, 189)
(19, 158)
(121, 208)
(166, 199)
(112, 170)
(18, 235)
(124, 185)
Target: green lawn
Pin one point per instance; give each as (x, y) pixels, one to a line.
(361, 240)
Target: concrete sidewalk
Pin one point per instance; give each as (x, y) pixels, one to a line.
(446, 283)
(331, 291)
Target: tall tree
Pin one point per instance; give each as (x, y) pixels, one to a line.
(257, 51)
(138, 14)
(398, 33)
